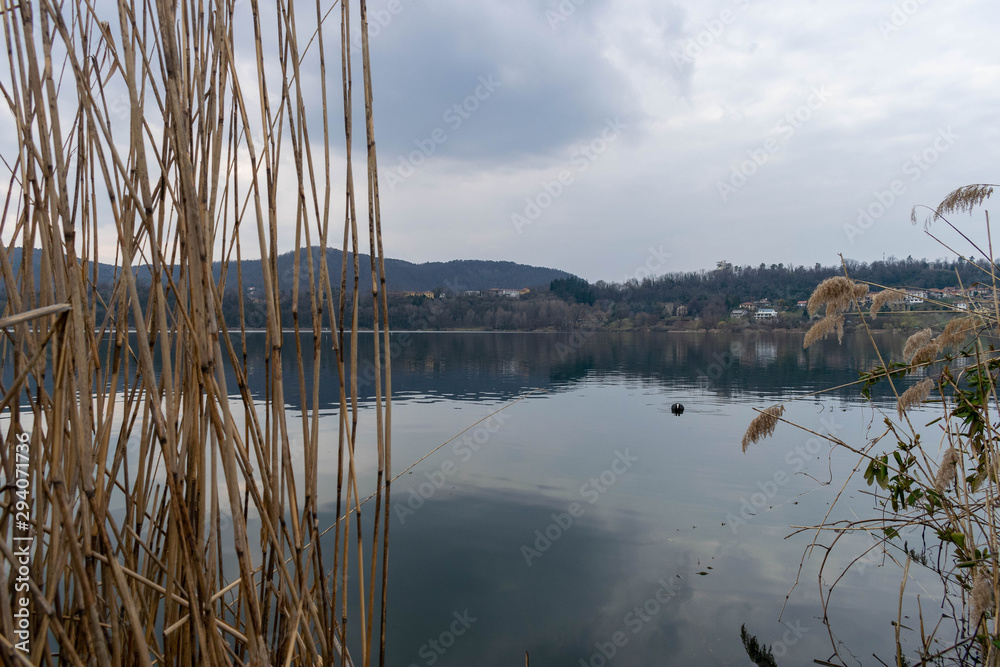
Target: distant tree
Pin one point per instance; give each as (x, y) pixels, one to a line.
(577, 289)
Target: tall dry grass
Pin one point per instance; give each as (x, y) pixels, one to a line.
(143, 137)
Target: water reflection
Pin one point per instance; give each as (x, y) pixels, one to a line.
(500, 366)
(517, 537)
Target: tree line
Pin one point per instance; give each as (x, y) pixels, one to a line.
(673, 300)
(684, 299)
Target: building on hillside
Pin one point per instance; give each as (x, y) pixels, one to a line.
(473, 292)
(766, 314)
(802, 304)
(738, 312)
(749, 306)
(509, 293)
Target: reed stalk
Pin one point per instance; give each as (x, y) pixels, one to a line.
(161, 138)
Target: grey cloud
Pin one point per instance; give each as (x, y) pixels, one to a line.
(555, 85)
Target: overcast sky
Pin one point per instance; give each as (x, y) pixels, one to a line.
(622, 138)
(601, 136)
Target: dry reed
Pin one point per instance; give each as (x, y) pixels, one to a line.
(824, 328)
(763, 425)
(925, 354)
(916, 342)
(981, 596)
(957, 331)
(145, 140)
(938, 514)
(913, 396)
(947, 470)
(885, 298)
(837, 294)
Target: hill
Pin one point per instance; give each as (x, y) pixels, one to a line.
(402, 276)
(455, 276)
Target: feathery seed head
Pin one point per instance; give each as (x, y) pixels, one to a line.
(947, 472)
(762, 425)
(956, 331)
(915, 342)
(884, 298)
(837, 293)
(925, 355)
(915, 395)
(822, 329)
(981, 597)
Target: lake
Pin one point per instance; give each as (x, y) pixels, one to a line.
(582, 522)
(588, 525)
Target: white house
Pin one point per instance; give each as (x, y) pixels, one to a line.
(766, 314)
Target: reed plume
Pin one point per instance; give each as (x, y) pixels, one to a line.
(964, 199)
(762, 425)
(947, 471)
(925, 355)
(822, 328)
(916, 342)
(957, 331)
(981, 596)
(915, 395)
(837, 294)
(885, 298)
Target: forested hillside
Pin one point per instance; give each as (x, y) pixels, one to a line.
(559, 300)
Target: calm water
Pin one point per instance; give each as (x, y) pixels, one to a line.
(591, 526)
(587, 525)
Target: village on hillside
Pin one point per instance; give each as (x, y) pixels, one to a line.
(950, 297)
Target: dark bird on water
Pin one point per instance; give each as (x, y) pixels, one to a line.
(677, 409)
